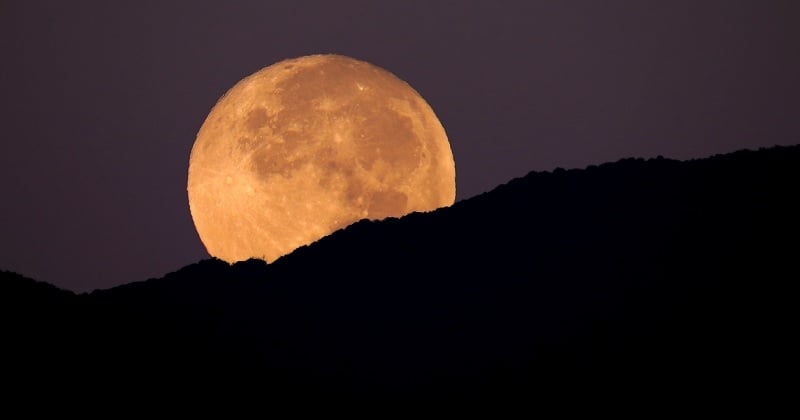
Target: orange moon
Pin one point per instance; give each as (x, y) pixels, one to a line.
(307, 146)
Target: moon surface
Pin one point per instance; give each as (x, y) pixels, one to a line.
(307, 146)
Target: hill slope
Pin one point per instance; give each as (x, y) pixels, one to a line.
(631, 277)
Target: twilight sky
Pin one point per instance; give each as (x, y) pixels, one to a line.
(101, 101)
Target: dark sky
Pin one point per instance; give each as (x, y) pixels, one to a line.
(101, 101)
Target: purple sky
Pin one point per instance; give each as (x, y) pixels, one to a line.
(101, 101)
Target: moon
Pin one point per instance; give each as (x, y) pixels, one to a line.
(307, 146)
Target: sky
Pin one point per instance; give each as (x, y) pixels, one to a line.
(101, 101)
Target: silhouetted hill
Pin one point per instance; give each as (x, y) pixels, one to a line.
(653, 279)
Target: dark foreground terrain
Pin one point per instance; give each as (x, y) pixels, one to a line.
(637, 280)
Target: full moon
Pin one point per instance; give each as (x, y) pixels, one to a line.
(307, 146)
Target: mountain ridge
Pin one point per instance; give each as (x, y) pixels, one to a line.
(634, 275)
(511, 183)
